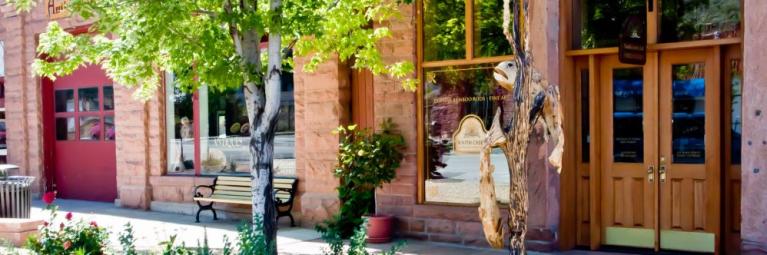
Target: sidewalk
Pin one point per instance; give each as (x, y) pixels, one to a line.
(152, 228)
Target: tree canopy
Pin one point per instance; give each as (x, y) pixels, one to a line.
(135, 41)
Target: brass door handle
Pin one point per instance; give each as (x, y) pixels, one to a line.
(662, 170)
(651, 173)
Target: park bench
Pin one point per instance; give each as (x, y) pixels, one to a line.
(237, 190)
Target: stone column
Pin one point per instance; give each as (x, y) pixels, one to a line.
(754, 164)
(322, 101)
(139, 146)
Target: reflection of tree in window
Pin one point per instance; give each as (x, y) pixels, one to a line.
(444, 27)
(488, 29)
(602, 20)
(684, 20)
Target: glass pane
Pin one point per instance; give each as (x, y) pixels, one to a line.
(601, 21)
(689, 113)
(89, 99)
(459, 106)
(685, 20)
(444, 29)
(628, 115)
(65, 129)
(109, 128)
(488, 29)
(65, 100)
(225, 132)
(109, 102)
(179, 114)
(90, 128)
(585, 135)
(736, 82)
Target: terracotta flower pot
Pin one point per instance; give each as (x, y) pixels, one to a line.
(380, 228)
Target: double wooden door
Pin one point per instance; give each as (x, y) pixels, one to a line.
(661, 151)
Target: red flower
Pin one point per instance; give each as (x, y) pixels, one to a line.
(45, 223)
(67, 245)
(93, 224)
(61, 226)
(48, 197)
(69, 216)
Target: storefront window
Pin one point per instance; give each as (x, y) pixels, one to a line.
(459, 107)
(224, 131)
(600, 22)
(686, 20)
(488, 29)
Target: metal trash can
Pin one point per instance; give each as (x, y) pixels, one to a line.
(15, 195)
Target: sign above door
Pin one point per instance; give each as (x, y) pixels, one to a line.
(56, 9)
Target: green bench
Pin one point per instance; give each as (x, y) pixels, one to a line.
(237, 190)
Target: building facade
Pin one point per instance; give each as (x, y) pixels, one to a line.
(665, 153)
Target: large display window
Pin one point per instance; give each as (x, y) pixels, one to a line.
(461, 41)
(208, 131)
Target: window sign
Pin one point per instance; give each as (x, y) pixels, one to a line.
(459, 106)
(57, 9)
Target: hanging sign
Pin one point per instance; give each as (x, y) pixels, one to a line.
(470, 135)
(56, 9)
(632, 42)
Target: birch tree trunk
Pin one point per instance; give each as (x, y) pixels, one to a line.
(534, 100)
(262, 103)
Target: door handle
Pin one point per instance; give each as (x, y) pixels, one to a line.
(651, 173)
(662, 170)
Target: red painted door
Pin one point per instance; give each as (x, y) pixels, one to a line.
(84, 164)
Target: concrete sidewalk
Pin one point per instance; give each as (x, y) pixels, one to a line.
(151, 228)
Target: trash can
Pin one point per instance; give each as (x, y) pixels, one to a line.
(15, 195)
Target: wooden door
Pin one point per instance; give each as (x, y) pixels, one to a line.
(83, 137)
(629, 112)
(689, 170)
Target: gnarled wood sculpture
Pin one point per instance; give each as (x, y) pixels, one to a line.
(534, 100)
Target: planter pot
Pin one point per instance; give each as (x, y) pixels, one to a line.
(380, 228)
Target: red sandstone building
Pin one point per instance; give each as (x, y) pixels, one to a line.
(668, 155)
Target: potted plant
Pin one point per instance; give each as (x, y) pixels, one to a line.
(366, 160)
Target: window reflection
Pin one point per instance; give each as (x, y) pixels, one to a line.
(109, 102)
(628, 115)
(88, 99)
(444, 29)
(109, 128)
(180, 129)
(459, 106)
(65, 100)
(585, 124)
(488, 29)
(736, 127)
(685, 20)
(689, 113)
(65, 129)
(90, 128)
(601, 21)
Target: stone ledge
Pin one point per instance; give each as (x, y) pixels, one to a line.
(17, 230)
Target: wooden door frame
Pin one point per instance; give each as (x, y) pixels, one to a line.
(710, 57)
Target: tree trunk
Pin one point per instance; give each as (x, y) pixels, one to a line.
(534, 100)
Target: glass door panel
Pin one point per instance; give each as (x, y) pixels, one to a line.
(628, 142)
(689, 169)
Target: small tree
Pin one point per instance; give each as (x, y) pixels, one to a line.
(217, 43)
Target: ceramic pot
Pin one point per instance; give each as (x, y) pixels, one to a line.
(380, 228)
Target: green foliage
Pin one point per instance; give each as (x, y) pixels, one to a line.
(127, 240)
(603, 20)
(366, 160)
(68, 236)
(136, 41)
(357, 243)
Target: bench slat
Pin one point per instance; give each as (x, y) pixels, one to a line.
(220, 200)
(284, 180)
(232, 188)
(231, 197)
(233, 183)
(232, 193)
(283, 185)
(234, 178)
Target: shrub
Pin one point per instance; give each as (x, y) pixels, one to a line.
(366, 160)
(357, 243)
(68, 236)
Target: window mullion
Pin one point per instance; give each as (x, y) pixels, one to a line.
(469, 27)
